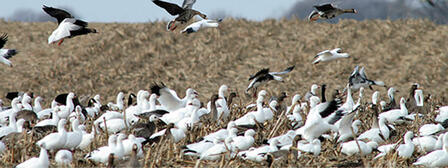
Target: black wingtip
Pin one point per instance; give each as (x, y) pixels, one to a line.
(155, 88)
(12, 95)
(290, 68)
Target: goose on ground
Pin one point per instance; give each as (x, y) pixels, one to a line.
(442, 114)
(196, 149)
(350, 148)
(69, 106)
(312, 92)
(205, 23)
(55, 141)
(14, 109)
(184, 13)
(438, 158)
(393, 115)
(119, 105)
(74, 138)
(411, 100)
(378, 133)
(264, 76)
(130, 142)
(404, 150)
(359, 79)
(37, 104)
(285, 139)
(327, 11)
(314, 147)
(241, 143)
(12, 126)
(295, 118)
(214, 152)
(428, 143)
(180, 114)
(53, 121)
(346, 126)
(258, 154)
(6, 54)
(63, 158)
(46, 113)
(430, 129)
(391, 95)
(86, 138)
(169, 99)
(40, 162)
(220, 134)
(175, 133)
(329, 55)
(101, 154)
(68, 26)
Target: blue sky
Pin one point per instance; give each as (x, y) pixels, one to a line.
(145, 10)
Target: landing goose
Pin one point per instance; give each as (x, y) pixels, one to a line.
(327, 11)
(169, 99)
(6, 54)
(184, 13)
(68, 26)
(40, 162)
(205, 23)
(264, 76)
(359, 79)
(329, 55)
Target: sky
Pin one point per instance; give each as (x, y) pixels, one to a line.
(145, 10)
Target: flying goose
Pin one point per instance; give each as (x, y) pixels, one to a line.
(6, 54)
(328, 11)
(264, 76)
(359, 79)
(329, 55)
(205, 23)
(184, 13)
(68, 26)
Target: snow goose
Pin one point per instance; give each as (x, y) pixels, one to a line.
(285, 139)
(46, 113)
(101, 154)
(175, 133)
(264, 76)
(378, 133)
(184, 13)
(6, 54)
(55, 141)
(204, 23)
(119, 105)
(295, 118)
(428, 143)
(241, 143)
(430, 129)
(438, 158)
(346, 126)
(54, 118)
(26, 100)
(40, 162)
(68, 107)
(442, 114)
(295, 100)
(359, 79)
(169, 99)
(119, 147)
(68, 26)
(312, 92)
(74, 138)
(221, 103)
(214, 153)
(350, 148)
(196, 149)
(12, 127)
(86, 138)
(63, 158)
(18, 128)
(393, 115)
(327, 11)
(130, 142)
(404, 150)
(14, 109)
(314, 147)
(220, 134)
(329, 55)
(37, 104)
(179, 114)
(258, 154)
(113, 125)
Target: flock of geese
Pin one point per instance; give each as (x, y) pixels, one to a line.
(159, 115)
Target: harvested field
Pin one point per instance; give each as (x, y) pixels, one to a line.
(130, 57)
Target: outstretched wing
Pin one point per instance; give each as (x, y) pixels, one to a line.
(3, 40)
(324, 7)
(289, 69)
(59, 14)
(188, 4)
(321, 53)
(171, 8)
(259, 73)
(362, 73)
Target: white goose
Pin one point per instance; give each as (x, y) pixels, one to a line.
(46, 113)
(40, 162)
(63, 158)
(428, 143)
(14, 109)
(131, 141)
(119, 103)
(442, 114)
(350, 148)
(430, 129)
(220, 134)
(101, 154)
(169, 99)
(393, 115)
(53, 121)
(312, 92)
(241, 143)
(258, 154)
(26, 100)
(285, 139)
(214, 153)
(74, 138)
(86, 138)
(329, 55)
(68, 108)
(404, 150)
(314, 147)
(378, 134)
(438, 158)
(37, 104)
(12, 127)
(179, 114)
(55, 141)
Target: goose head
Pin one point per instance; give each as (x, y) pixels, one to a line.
(375, 96)
(391, 93)
(262, 93)
(408, 137)
(191, 93)
(296, 98)
(383, 105)
(120, 97)
(314, 88)
(153, 118)
(231, 124)
(223, 90)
